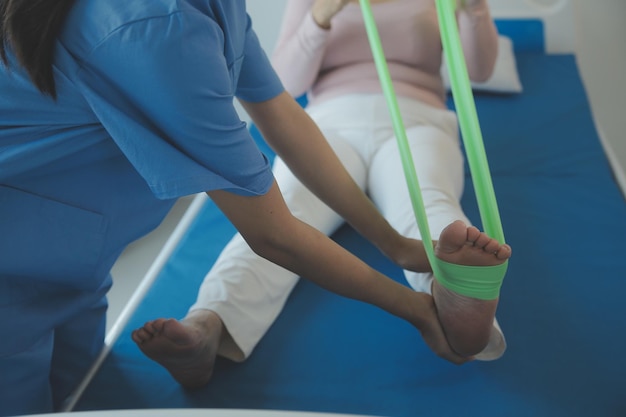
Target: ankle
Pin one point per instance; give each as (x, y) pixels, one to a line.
(204, 320)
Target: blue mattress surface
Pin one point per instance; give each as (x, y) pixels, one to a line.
(562, 303)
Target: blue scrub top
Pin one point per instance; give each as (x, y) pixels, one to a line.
(157, 77)
(144, 115)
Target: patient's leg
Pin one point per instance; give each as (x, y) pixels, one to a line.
(469, 323)
(187, 348)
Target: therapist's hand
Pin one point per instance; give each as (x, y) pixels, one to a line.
(324, 10)
(427, 322)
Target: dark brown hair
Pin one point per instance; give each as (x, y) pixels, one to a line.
(30, 28)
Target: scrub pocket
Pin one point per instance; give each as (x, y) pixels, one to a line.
(46, 241)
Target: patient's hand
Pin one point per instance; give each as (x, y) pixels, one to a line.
(324, 10)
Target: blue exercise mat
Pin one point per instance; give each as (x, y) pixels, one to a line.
(562, 302)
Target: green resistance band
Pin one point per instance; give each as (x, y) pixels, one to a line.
(482, 282)
(468, 119)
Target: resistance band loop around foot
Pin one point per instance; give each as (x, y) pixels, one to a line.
(482, 282)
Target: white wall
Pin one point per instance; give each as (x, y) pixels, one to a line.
(266, 18)
(601, 46)
(599, 28)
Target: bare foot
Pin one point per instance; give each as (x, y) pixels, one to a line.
(187, 348)
(462, 245)
(468, 322)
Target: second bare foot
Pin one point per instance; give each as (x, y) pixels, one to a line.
(187, 348)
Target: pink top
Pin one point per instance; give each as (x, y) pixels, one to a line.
(328, 63)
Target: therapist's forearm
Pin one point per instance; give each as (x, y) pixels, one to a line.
(276, 235)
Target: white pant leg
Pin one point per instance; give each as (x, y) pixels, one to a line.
(438, 160)
(247, 291)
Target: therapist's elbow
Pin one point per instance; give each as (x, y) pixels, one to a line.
(273, 243)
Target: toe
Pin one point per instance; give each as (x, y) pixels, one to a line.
(472, 234)
(492, 247)
(482, 241)
(140, 335)
(504, 252)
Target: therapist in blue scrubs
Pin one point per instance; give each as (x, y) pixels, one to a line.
(110, 110)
